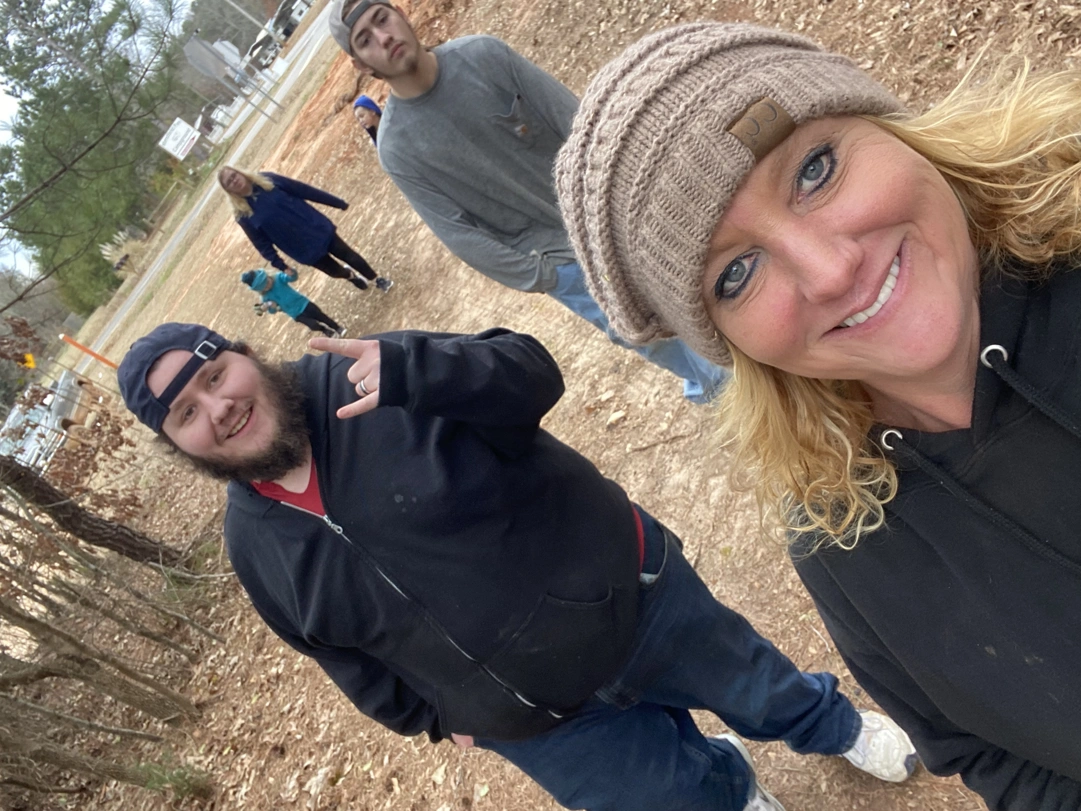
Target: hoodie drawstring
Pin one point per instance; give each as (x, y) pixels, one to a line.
(995, 358)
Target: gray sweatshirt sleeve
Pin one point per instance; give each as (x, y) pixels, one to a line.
(465, 238)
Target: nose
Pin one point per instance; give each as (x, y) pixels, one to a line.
(382, 36)
(823, 263)
(218, 408)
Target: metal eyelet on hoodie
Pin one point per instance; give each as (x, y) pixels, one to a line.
(944, 479)
(882, 439)
(984, 355)
(1037, 398)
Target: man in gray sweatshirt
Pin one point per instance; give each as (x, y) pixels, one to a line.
(469, 135)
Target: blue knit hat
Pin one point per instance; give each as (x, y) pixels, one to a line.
(255, 279)
(201, 341)
(367, 104)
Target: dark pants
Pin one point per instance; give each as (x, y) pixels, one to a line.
(347, 255)
(316, 320)
(634, 746)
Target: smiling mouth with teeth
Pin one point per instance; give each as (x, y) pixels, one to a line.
(883, 296)
(240, 423)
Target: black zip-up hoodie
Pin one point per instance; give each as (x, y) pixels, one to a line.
(472, 573)
(962, 617)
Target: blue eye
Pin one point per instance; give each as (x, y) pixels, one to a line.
(816, 170)
(735, 276)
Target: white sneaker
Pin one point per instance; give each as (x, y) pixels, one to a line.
(760, 799)
(883, 749)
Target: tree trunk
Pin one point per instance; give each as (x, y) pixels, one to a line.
(82, 523)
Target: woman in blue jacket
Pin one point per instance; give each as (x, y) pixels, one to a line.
(274, 213)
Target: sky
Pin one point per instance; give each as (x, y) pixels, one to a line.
(8, 106)
(9, 257)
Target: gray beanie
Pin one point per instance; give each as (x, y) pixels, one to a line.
(663, 138)
(341, 24)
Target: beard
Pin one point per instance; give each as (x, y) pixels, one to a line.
(288, 449)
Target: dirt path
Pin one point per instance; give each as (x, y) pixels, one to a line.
(277, 734)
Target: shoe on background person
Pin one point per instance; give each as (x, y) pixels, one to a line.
(384, 283)
(760, 799)
(883, 749)
(342, 332)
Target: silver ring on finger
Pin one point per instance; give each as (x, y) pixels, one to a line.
(363, 389)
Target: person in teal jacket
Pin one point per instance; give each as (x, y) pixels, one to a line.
(279, 296)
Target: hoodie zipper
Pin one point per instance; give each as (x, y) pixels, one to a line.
(340, 532)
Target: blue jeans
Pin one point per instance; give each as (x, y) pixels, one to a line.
(702, 380)
(634, 746)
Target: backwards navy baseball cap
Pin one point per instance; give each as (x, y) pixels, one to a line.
(201, 341)
(341, 24)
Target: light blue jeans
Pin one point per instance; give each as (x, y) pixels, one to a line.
(702, 380)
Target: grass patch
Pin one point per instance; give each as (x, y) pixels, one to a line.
(184, 781)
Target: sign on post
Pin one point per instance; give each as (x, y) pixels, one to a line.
(179, 139)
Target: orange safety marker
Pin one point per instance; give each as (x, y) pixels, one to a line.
(87, 350)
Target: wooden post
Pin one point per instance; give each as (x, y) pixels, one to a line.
(68, 339)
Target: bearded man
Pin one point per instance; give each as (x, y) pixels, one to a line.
(396, 512)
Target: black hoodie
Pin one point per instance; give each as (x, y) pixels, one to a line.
(962, 617)
(472, 573)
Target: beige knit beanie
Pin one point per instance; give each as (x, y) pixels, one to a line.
(663, 138)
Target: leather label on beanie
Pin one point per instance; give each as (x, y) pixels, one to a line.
(762, 126)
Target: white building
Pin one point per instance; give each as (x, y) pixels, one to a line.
(229, 52)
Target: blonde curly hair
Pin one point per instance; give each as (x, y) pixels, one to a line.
(1010, 147)
(241, 207)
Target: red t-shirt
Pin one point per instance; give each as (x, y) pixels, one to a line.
(641, 533)
(308, 500)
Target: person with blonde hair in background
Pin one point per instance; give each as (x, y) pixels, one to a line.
(274, 213)
(897, 298)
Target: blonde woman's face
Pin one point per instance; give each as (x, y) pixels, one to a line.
(235, 183)
(845, 255)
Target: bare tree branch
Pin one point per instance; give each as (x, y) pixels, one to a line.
(82, 723)
(122, 116)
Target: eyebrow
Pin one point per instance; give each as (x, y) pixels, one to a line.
(724, 248)
(367, 24)
(783, 171)
(182, 398)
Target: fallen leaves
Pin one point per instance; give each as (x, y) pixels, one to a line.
(440, 774)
